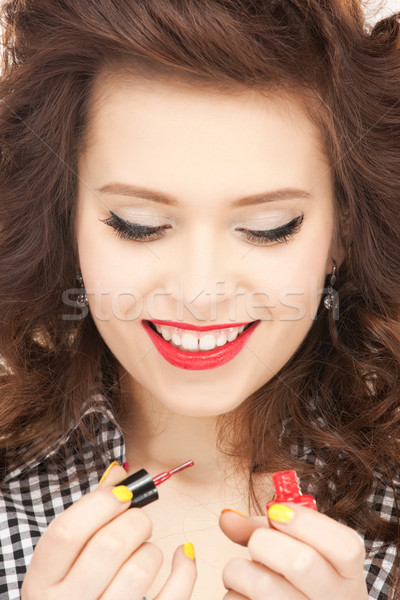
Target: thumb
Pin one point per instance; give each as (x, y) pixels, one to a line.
(238, 527)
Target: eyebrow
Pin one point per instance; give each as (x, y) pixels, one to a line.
(122, 189)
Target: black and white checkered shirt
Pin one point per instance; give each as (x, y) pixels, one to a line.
(32, 496)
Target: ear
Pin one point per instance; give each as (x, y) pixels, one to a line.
(339, 256)
(340, 241)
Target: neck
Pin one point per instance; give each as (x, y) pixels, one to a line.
(159, 440)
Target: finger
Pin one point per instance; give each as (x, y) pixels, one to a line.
(234, 596)
(238, 527)
(339, 544)
(112, 475)
(67, 534)
(136, 575)
(104, 555)
(299, 564)
(180, 583)
(257, 582)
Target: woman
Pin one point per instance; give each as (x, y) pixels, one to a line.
(223, 175)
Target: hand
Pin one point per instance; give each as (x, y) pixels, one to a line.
(97, 550)
(309, 557)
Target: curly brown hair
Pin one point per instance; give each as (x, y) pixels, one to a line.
(340, 394)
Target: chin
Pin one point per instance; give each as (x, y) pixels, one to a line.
(199, 409)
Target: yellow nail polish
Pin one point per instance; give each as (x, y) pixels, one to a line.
(122, 493)
(280, 513)
(106, 472)
(232, 510)
(188, 549)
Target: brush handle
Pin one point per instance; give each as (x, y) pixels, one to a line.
(142, 487)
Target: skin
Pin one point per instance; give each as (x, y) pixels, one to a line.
(206, 150)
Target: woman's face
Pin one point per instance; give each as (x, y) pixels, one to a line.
(219, 167)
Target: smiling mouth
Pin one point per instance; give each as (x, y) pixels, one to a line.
(186, 340)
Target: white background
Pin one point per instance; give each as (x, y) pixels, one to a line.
(376, 9)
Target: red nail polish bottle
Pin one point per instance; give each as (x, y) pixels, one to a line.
(287, 489)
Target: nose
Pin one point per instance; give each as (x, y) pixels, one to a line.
(206, 276)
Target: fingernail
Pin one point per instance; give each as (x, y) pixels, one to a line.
(106, 472)
(188, 549)
(126, 466)
(280, 513)
(232, 510)
(122, 493)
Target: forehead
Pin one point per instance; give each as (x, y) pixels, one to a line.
(113, 89)
(151, 128)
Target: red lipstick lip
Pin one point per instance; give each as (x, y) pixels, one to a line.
(196, 361)
(196, 327)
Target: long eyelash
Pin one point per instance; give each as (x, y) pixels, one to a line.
(132, 231)
(284, 233)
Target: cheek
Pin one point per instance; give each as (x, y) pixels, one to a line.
(287, 283)
(116, 276)
(126, 279)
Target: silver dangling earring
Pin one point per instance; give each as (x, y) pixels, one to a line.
(331, 299)
(82, 299)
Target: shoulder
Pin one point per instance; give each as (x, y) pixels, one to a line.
(380, 562)
(32, 495)
(386, 496)
(26, 512)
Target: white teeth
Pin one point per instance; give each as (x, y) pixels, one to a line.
(196, 342)
(165, 332)
(232, 335)
(222, 339)
(189, 342)
(208, 342)
(176, 339)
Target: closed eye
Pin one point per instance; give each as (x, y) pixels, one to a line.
(283, 233)
(133, 231)
(142, 233)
